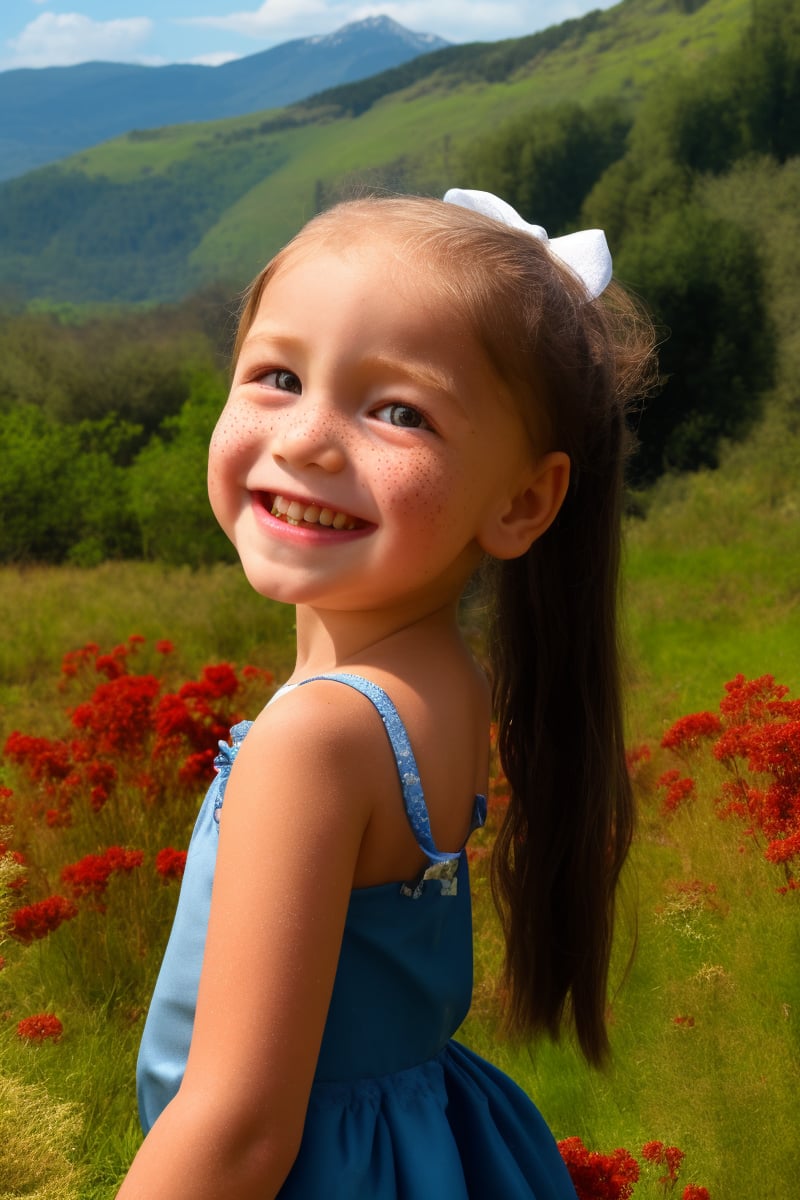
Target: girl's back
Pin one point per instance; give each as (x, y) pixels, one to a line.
(397, 1109)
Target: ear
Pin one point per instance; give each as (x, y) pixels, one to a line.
(514, 526)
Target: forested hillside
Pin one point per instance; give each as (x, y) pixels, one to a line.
(159, 212)
(695, 176)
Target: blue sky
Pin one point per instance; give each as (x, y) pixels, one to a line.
(42, 33)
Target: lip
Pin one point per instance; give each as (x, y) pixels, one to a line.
(262, 501)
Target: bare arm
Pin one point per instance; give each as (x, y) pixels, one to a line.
(292, 824)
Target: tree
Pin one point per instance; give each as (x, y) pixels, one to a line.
(545, 163)
(702, 278)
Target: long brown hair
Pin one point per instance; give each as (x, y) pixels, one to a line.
(574, 366)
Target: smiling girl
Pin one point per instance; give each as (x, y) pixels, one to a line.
(423, 391)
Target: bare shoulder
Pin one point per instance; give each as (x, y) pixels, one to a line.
(320, 726)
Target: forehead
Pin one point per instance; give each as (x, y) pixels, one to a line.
(344, 274)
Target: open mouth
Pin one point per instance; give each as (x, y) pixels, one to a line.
(296, 512)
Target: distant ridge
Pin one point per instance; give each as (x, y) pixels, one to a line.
(48, 113)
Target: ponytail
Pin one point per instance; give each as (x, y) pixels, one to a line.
(555, 661)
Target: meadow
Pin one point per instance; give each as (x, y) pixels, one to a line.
(704, 1016)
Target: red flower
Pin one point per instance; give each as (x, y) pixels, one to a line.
(677, 790)
(165, 646)
(598, 1176)
(636, 756)
(170, 863)
(39, 1028)
(686, 1022)
(693, 1192)
(90, 876)
(665, 1156)
(37, 920)
(119, 714)
(197, 768)
(687, 731)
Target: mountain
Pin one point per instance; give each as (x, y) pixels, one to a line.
(50, 112)
(157, 213)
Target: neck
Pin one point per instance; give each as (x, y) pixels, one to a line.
(328, 641)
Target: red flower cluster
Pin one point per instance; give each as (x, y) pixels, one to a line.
(757, 732)
(130, 733)
(39, 1028)
(598, 1176)
(90, 876)
(170, 863)
(37, 920)
(127, 726)
(664, 1156)
(636, 756)
(687, 732)
(677, 790)
(693, 1192)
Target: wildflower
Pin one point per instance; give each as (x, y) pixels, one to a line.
(687, 731)
(36, 920)
(136, 639)
(44, 759)
(598, 1176)
(119, 714)
(90, 876)
(170, 863)
(39, 1028)
(636, 756)
(677, 790)
(686, 1022)
(197, 768)
(782, 849)
(165, 646)
(665, 1156)
(693, 1192)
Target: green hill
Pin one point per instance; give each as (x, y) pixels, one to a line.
(155, 214)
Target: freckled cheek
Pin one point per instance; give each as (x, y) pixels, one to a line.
(416, 486)
(236, 435)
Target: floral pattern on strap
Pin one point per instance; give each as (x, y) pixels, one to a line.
(225, 760)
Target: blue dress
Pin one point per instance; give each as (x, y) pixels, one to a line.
(398, 1110)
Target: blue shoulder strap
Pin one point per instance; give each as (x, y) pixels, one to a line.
(413, 797)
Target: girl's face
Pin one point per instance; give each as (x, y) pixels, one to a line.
(366, 440)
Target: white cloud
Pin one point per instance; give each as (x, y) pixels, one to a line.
(215, 59)
(456, 20)
(275, 19)
(61, 40)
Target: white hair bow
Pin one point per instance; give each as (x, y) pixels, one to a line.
(586, 253)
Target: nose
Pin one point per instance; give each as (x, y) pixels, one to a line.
(312, 435)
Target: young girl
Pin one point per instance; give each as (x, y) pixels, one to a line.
(421, 390)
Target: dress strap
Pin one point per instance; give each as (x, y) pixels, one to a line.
(413, 796)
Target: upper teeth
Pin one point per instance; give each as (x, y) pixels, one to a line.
(295, 513)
